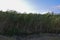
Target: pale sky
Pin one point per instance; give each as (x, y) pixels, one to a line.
(34, 6)
(17, 5)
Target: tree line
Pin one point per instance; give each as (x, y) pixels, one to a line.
(14, 23)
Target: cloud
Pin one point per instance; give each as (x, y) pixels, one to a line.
(46, 12)
(57, 7)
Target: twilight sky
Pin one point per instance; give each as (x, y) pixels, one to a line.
(34, 6)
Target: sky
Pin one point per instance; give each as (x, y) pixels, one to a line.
(31, 6)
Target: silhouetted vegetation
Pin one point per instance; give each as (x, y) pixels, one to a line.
(14, 23)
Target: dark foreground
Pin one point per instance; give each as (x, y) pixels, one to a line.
(33, 37)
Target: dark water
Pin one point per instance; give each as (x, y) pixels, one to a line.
(40, 37)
